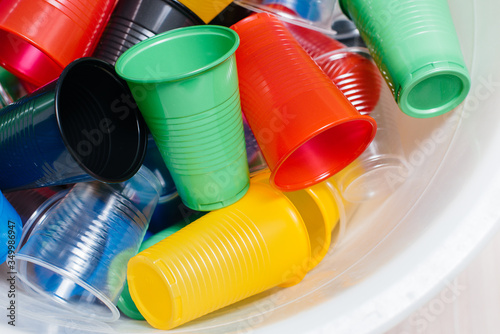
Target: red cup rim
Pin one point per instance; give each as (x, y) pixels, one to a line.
(335, 168)
(24, 75)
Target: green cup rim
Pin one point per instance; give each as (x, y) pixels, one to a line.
(122, 61)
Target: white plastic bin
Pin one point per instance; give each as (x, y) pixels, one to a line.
(397, 252)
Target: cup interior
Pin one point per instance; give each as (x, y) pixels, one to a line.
(68, 292)
(324, 154)
(99, 124)
(177, 54)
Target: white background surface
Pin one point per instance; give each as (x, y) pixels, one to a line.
(470, 304)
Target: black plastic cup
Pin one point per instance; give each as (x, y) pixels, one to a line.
(133, 21)
(80, 127)
(231, 15)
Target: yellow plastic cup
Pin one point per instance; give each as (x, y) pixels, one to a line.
(226, 256)
(206, 10)
(267, 239)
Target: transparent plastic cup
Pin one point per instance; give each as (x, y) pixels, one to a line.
(374, 174)
(312, 14)
(76, 255)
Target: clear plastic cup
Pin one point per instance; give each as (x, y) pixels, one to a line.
(369, 176)
(76, 255)
(313, 14)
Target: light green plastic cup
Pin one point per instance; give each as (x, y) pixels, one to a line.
(416, 48)
(186, 86)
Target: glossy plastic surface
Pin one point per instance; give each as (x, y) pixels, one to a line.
(136, 20)
(192, 107)
(397, 253)
(40, 38)
(11, 88)
(320, 209)
(76, 256)
(10, 231)
(229, 254)
(206, 10)
(77, 128)
(416, 47)
(377, 172)
(305, 127)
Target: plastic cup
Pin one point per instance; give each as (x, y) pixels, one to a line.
(415, 46)
(221, 258)
(354, 73)
(304, 125)
(206, 10)
(76, 256)
(192, 107)
(40, 38)
(136, 20)
(268, 238)
(377, 172)
(11, 88)
(125, 302)
(312, 14)
(72, 130)
(10, 232)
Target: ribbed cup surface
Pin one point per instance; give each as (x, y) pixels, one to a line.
(221, 258)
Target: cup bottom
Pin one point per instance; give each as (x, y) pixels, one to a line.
(371, 179)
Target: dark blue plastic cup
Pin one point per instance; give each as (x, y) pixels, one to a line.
(81, 127)
(10, 231)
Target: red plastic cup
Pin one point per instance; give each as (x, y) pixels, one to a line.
(306, 128)
(354, 74)
(40, 37)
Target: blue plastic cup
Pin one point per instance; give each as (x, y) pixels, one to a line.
(10, 230)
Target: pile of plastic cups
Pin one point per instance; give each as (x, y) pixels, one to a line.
(168, 158)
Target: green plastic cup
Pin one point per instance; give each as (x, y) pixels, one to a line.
(416, 48)
(186, 86)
